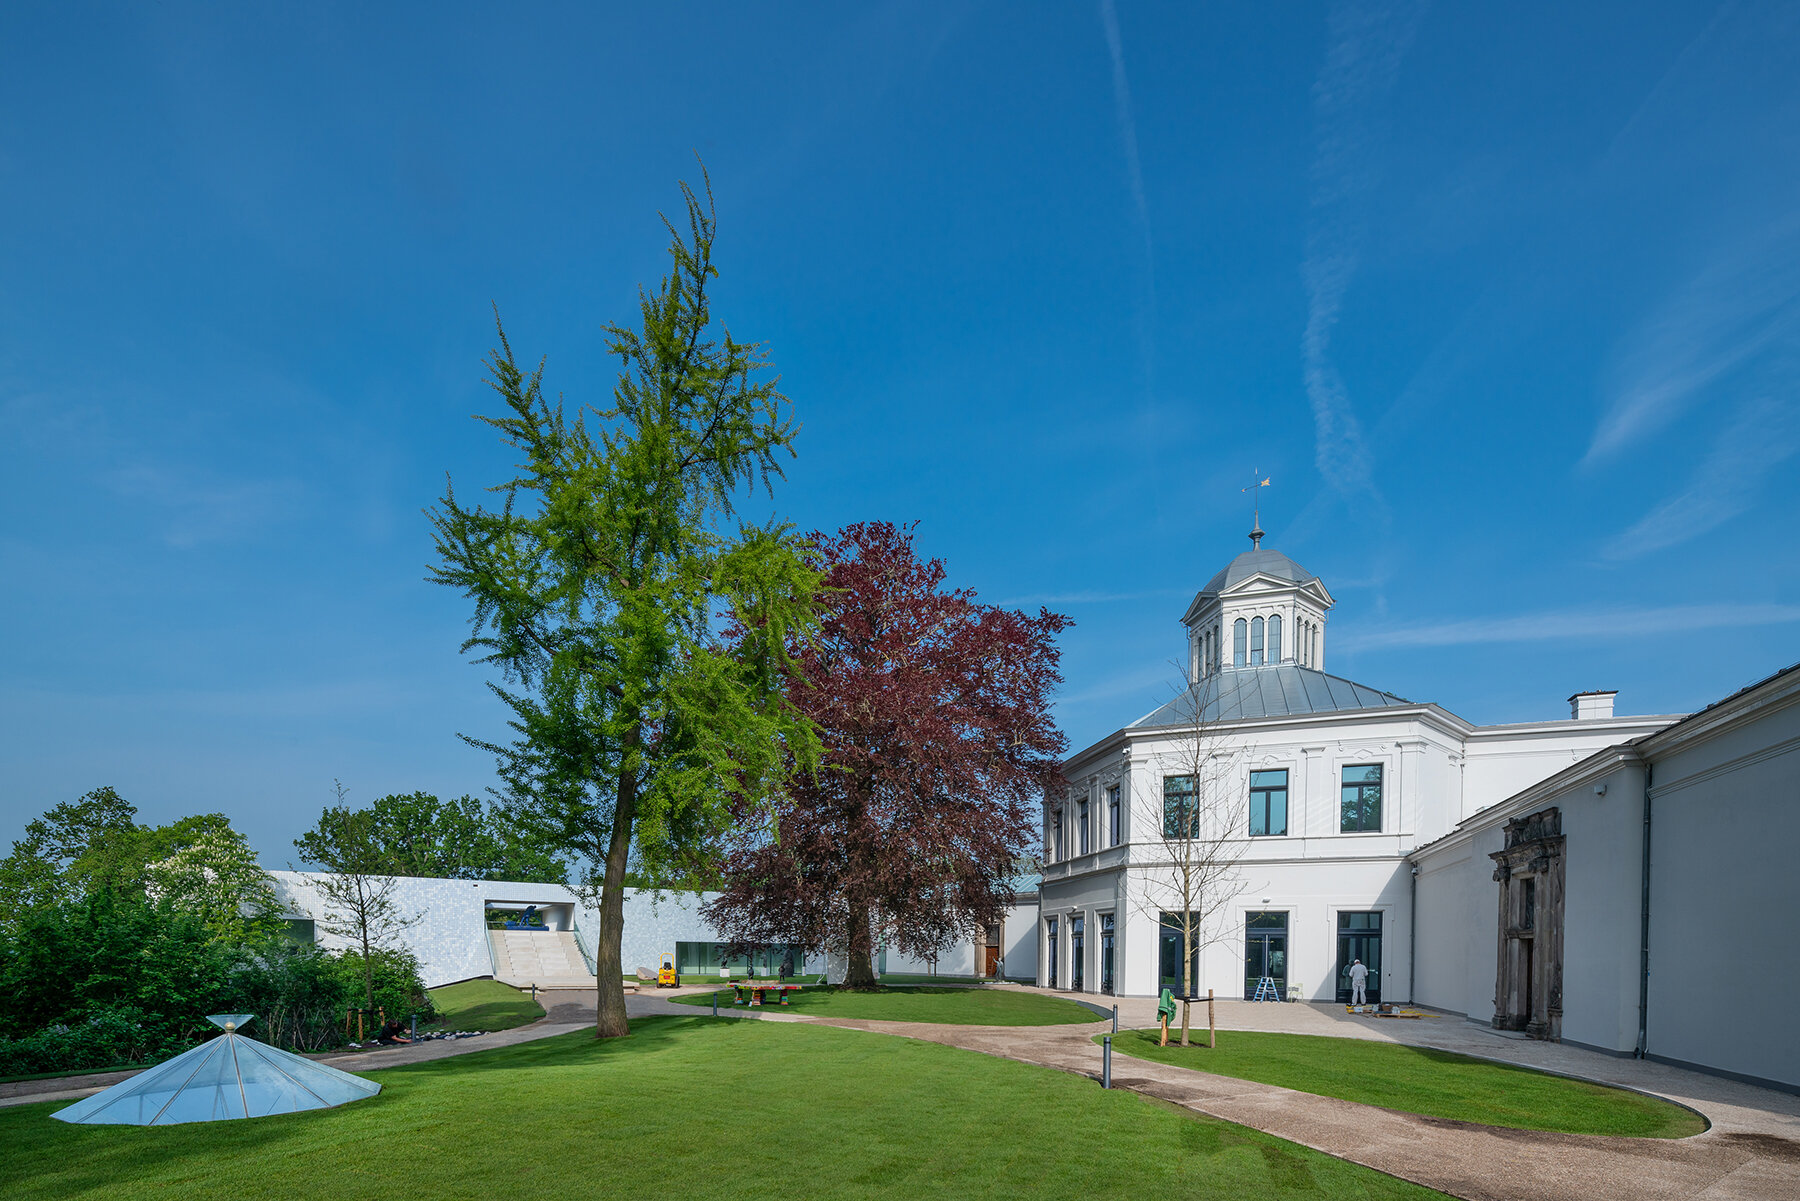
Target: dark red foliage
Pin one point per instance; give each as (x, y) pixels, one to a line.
(934, 712)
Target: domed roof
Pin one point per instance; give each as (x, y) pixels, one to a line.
(1259, 561)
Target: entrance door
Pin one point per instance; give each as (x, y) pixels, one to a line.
(1265, 950)
(1050, 980)
(1077, 955)
(990, 962)
(1359, 937)
(1106, 952)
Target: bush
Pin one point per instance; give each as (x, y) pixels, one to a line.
(399, 989)
(107, 1038)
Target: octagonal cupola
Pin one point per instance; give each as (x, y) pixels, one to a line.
(1262, 610)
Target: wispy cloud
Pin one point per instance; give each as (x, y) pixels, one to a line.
(1122, 685)
(197, 509)
(1745, 301)
(1089, 597)
(1367, 43)
(1616, 624)
(1134, 178)
(1764, 434)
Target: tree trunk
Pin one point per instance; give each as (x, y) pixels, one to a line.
(1187, 981)
(609, 966)
(862, 962)
(368, 967)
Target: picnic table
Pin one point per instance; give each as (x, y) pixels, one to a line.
(750, 992)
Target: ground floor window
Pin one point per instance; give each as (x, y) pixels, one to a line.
(1169, 957)
(710, 959)
(1265, 950)
(1359, 937)
(1050, 952)
(1107, 946)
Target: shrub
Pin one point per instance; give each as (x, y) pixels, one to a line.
(107, 1038)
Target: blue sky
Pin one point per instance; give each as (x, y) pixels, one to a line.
(1506, 303)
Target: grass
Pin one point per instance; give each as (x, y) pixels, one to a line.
(1421, 1080)
(957, 1006)
(738, 1110)
(483, 1005)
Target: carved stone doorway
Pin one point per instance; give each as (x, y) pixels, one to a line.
(1528, 984)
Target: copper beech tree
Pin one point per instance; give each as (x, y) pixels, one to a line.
(933, 713)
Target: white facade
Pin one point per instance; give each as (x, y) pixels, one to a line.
(1719, 795)
(449, 933)
(1270, 715)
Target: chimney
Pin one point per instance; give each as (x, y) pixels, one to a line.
(1585, 706)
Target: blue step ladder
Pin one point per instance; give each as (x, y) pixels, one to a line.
(1266, 989)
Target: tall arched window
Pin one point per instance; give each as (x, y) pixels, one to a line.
(1239, 629)
(1275, 639)
(1256, 641)
(1315, 644)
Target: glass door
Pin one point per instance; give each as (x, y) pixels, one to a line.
(1106, 952)
(1359, 937)
(1169, 957)
(1077, 956)
(1265, 951)
(1050, 953)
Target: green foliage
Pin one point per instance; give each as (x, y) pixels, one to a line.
(398, 990)
(110, 979)
(416, 834)
(94, 846)
(602, 581)
(108, 1037)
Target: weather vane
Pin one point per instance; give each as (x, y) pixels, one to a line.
(1256, 532)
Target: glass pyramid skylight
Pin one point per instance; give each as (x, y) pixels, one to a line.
(229, 1077)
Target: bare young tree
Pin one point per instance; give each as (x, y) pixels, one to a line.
(1196, 791)
(358, 894)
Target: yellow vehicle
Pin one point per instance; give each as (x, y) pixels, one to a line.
(665, 975)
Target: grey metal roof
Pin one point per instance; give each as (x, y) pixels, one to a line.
(1242, 693)
(1268, 562)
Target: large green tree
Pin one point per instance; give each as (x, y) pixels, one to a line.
(416, 834)
(601, 584)
(94, 846)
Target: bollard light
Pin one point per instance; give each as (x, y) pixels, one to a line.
(1106, 1062)
(1115, 1019)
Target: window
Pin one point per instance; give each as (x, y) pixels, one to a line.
(1178, 806)
(1056, 836)
(1081, 826)
(1268, 802)
(1361, 809)
(1114, 835)
(1256, 641)
(1238, 630)
(1275, 639)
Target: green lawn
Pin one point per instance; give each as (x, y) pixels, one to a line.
(736, 1110)
(1419, 1080)
(956, 1006)
(483, 1005)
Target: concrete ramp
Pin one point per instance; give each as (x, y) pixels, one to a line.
(546, 958)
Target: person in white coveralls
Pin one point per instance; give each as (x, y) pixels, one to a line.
(1359, 983)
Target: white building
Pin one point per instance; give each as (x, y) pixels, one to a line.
(1640, 902)
(455, 929)
(1331, 785)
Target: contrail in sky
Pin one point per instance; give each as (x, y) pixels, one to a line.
(1361, 64)
(1134, 175)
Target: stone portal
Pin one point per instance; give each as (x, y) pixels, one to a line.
(1528, 986)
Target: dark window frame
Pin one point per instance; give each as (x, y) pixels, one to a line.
(1268, 792)
(1354, 815)
(1179, 821)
